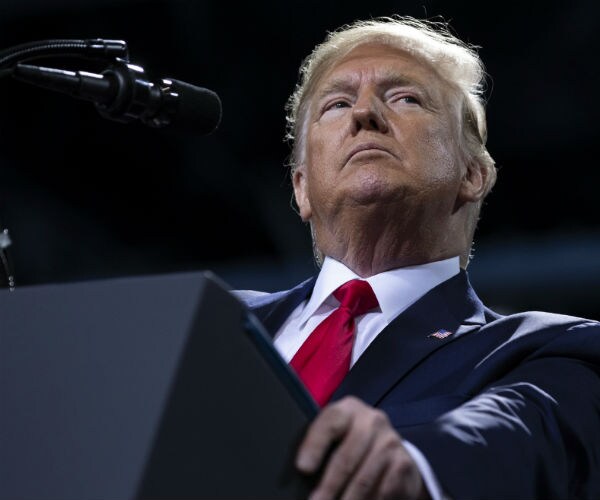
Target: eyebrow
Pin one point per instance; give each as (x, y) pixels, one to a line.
(387, 80)
(338, 85)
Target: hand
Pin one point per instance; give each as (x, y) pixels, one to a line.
(369, 460)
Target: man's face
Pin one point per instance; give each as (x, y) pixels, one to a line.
(381, 134)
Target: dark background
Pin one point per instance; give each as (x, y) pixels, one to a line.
(88, 198)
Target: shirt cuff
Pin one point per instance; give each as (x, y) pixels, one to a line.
(431, 483)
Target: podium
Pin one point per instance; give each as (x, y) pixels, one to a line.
(146, 387)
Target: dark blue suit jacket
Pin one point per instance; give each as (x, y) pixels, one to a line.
(504, 407)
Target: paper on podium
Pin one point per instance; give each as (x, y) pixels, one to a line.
(148, 387)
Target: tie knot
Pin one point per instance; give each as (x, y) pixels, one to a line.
(357, 296)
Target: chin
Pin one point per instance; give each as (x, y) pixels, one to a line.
(371, 187)
(369, 181)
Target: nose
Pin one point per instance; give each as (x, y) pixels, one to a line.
(368, 115)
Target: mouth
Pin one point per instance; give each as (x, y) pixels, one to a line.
(368, 146)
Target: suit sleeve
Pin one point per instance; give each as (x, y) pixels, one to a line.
(534, 432)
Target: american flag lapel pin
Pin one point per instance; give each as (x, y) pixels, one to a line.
(440, 334)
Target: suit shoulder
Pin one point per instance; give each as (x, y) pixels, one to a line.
(254, 298)
(543, 320)
(245, 295)
(533, 326)
(537, 334)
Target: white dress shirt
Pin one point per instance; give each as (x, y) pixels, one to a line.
(396, 290)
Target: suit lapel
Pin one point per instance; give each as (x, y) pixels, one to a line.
(452, 306)
(273, 309)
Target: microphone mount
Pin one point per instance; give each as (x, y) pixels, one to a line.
(121, 92)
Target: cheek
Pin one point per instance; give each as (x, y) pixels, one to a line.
(438, 155)
(321, 151)
(314, 149)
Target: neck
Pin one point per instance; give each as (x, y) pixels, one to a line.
(370, 247)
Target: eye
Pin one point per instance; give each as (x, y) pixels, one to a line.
(409, 99)
(404, 98)
(337, 104)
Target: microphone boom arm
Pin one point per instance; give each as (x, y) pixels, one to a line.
(93, 48)
(123, 93)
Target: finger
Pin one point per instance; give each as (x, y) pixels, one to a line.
(330, 425)
(402, 479)
(350, 454)
(367, 478)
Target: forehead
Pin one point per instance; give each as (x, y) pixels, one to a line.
(375, 62)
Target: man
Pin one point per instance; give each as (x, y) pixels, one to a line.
(444, 397)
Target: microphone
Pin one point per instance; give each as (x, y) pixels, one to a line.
(123, 93)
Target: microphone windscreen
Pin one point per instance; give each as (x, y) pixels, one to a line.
(198, 109)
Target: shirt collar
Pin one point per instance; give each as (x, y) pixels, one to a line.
(396, 290)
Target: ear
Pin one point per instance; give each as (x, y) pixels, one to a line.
(300, 183)
(474, 183)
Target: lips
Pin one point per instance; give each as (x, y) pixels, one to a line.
(367, 146)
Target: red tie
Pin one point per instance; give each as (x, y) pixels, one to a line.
(323, 360)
